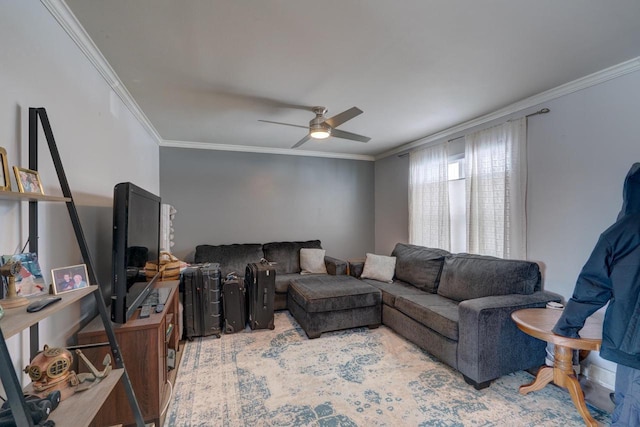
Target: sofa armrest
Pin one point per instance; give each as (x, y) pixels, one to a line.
(355, 268)
(489, 342)
(335, 266)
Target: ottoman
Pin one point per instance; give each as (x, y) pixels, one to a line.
(326, 303)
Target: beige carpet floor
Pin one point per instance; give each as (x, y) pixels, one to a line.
(358, 377)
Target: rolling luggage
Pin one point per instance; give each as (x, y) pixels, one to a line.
(202, 306)
(234, 304)
(260, 280)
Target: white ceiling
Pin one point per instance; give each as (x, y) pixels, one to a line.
(206, 71)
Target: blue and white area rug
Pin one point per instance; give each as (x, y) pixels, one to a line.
(358, 377)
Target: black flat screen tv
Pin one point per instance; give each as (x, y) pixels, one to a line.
(136, 240)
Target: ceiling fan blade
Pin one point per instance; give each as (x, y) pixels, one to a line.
(339, 119)
(302, 141)
(348, 135)
(285, 124)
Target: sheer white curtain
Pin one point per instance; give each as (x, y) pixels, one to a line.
(429, 198)
(496, 171)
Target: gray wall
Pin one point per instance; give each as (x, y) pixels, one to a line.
(233, 197)
(579, 155)
(392, 203)
(99, 140)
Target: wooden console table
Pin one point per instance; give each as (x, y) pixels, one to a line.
(538, 323)
(144, 344)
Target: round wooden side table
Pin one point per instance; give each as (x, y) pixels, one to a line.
(538, 323)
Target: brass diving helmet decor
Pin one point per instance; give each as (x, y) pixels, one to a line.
(51, 370)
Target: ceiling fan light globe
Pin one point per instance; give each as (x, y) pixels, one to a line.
(320, 134)
(319, 130)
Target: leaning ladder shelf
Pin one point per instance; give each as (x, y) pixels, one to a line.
(84, 404)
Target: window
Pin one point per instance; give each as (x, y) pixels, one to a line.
(469, 195)
(429, 197)
(456, 168)
(457, 204)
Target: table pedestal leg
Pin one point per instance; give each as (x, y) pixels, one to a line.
(544, 377)
(562, 374)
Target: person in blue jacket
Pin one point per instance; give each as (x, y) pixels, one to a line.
(612, 274)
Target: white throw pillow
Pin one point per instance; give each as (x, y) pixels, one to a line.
(312, 261)
(379, 267)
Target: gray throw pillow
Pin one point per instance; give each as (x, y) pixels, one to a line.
(419, 265)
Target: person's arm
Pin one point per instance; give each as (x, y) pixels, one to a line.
(593, 290)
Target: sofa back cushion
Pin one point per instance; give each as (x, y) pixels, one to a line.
(230, 257)
(419, 265)
(466, 276)
(286, 255)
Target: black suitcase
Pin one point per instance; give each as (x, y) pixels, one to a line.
(234, 304)
(202, 306)
(260, 280)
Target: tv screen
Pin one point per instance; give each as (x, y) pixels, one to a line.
(136, 240)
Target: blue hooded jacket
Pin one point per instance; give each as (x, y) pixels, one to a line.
(612, 274)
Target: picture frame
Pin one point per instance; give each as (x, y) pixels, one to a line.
(5, 177)
(29, 281)
(69, 279)
(28, 180)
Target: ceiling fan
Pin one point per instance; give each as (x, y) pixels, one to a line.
(321, 128)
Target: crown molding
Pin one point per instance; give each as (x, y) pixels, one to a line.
(596, 78)
(262, 150)
(68, 21)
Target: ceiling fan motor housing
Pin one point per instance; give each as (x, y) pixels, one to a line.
(318, 129)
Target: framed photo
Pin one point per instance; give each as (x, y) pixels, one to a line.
(66, 279)
(28, 180)
(29, 280)
(5, 179)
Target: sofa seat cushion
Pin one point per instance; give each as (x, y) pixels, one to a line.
(391, 290)
(466, 276)
(322, 293)
(286, 255)
(230, 257)
(433, 311)
(282, 281)
(419, 265)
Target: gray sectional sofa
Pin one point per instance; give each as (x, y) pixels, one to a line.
(457, 307)
(286, 255)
